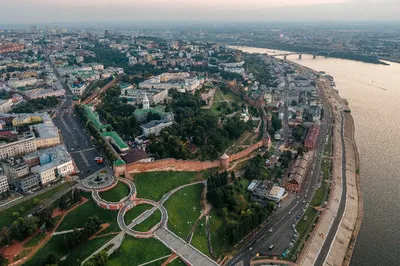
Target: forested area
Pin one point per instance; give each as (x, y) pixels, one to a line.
(118, 114)
(197, 127)
(239, 214)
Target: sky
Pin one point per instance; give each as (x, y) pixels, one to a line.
(59, 11)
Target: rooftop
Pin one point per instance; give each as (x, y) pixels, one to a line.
(117, 139)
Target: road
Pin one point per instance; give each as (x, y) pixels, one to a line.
(77, 141)
(75, 138)
(282, 221)
(329, 238)
(285, 122)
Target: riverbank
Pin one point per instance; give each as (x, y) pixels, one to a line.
(318, 52)
(360, 213)
(342, 244)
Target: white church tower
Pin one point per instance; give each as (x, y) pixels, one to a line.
(146, 102)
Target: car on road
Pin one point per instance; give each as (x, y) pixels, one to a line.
(290, 213)
(270, 230)
(271, 247)
(250, 248)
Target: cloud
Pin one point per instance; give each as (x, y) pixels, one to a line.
(43, 11)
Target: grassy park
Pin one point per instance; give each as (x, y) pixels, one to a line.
(56, 246)
(199, 239)
(6, 216)
(147, 224)
(78, 217)
(135, 251)
(177, 262)
(184, 209)
(34, 240)
(219, 241)
(135, 212)
(153, 185)
(116, 193)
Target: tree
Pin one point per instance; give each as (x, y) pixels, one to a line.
(99, 259)
(50, 259)
(35, 202)
(92, 225)
(3, 260)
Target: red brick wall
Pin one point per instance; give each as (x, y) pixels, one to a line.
(183, 165)
(246, 151)
(171, 164)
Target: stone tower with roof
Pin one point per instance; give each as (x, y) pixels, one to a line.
(146, 102)
(224, 161)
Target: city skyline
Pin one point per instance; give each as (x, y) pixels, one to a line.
(45, 11)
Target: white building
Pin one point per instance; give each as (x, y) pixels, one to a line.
(179, 81)
(17, 148)
(5, 105)
(15, 83)
(3, 183)
(276, 194)
(155, 127)
(78, 89)
(46, 173)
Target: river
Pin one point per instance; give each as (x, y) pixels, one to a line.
(373, 93)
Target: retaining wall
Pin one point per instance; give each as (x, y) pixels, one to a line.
(186, 165)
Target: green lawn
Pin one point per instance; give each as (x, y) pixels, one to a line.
(6, 217)
(34, 240)
(135, 212)
(116, 193)
(22, 254)
(184, 209)
(147, 224)
(218, 96)
(135, 251)
(56, 246)
(303, 225)
(79, 216)
(319, 195)
(219, 240)
(153, 185)
(177, 262)
(199, 239)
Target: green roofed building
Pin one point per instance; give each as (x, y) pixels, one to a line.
(94, 117)
(116, 140)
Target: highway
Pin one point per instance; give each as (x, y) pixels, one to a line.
(332, 232)
(282, 221)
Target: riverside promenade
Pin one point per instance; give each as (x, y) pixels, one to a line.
(338, 226)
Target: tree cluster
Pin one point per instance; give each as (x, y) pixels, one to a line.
(198, 128)
(119, 115)
(239, 216)
(69, 199)
(24, 227)
(78, 237)
(101, 142)
(285, 158)
(99, 259)
(253, 168)
(34, 105)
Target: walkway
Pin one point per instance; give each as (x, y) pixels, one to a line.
(184, 250)
(115, 242)
(67, 231)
